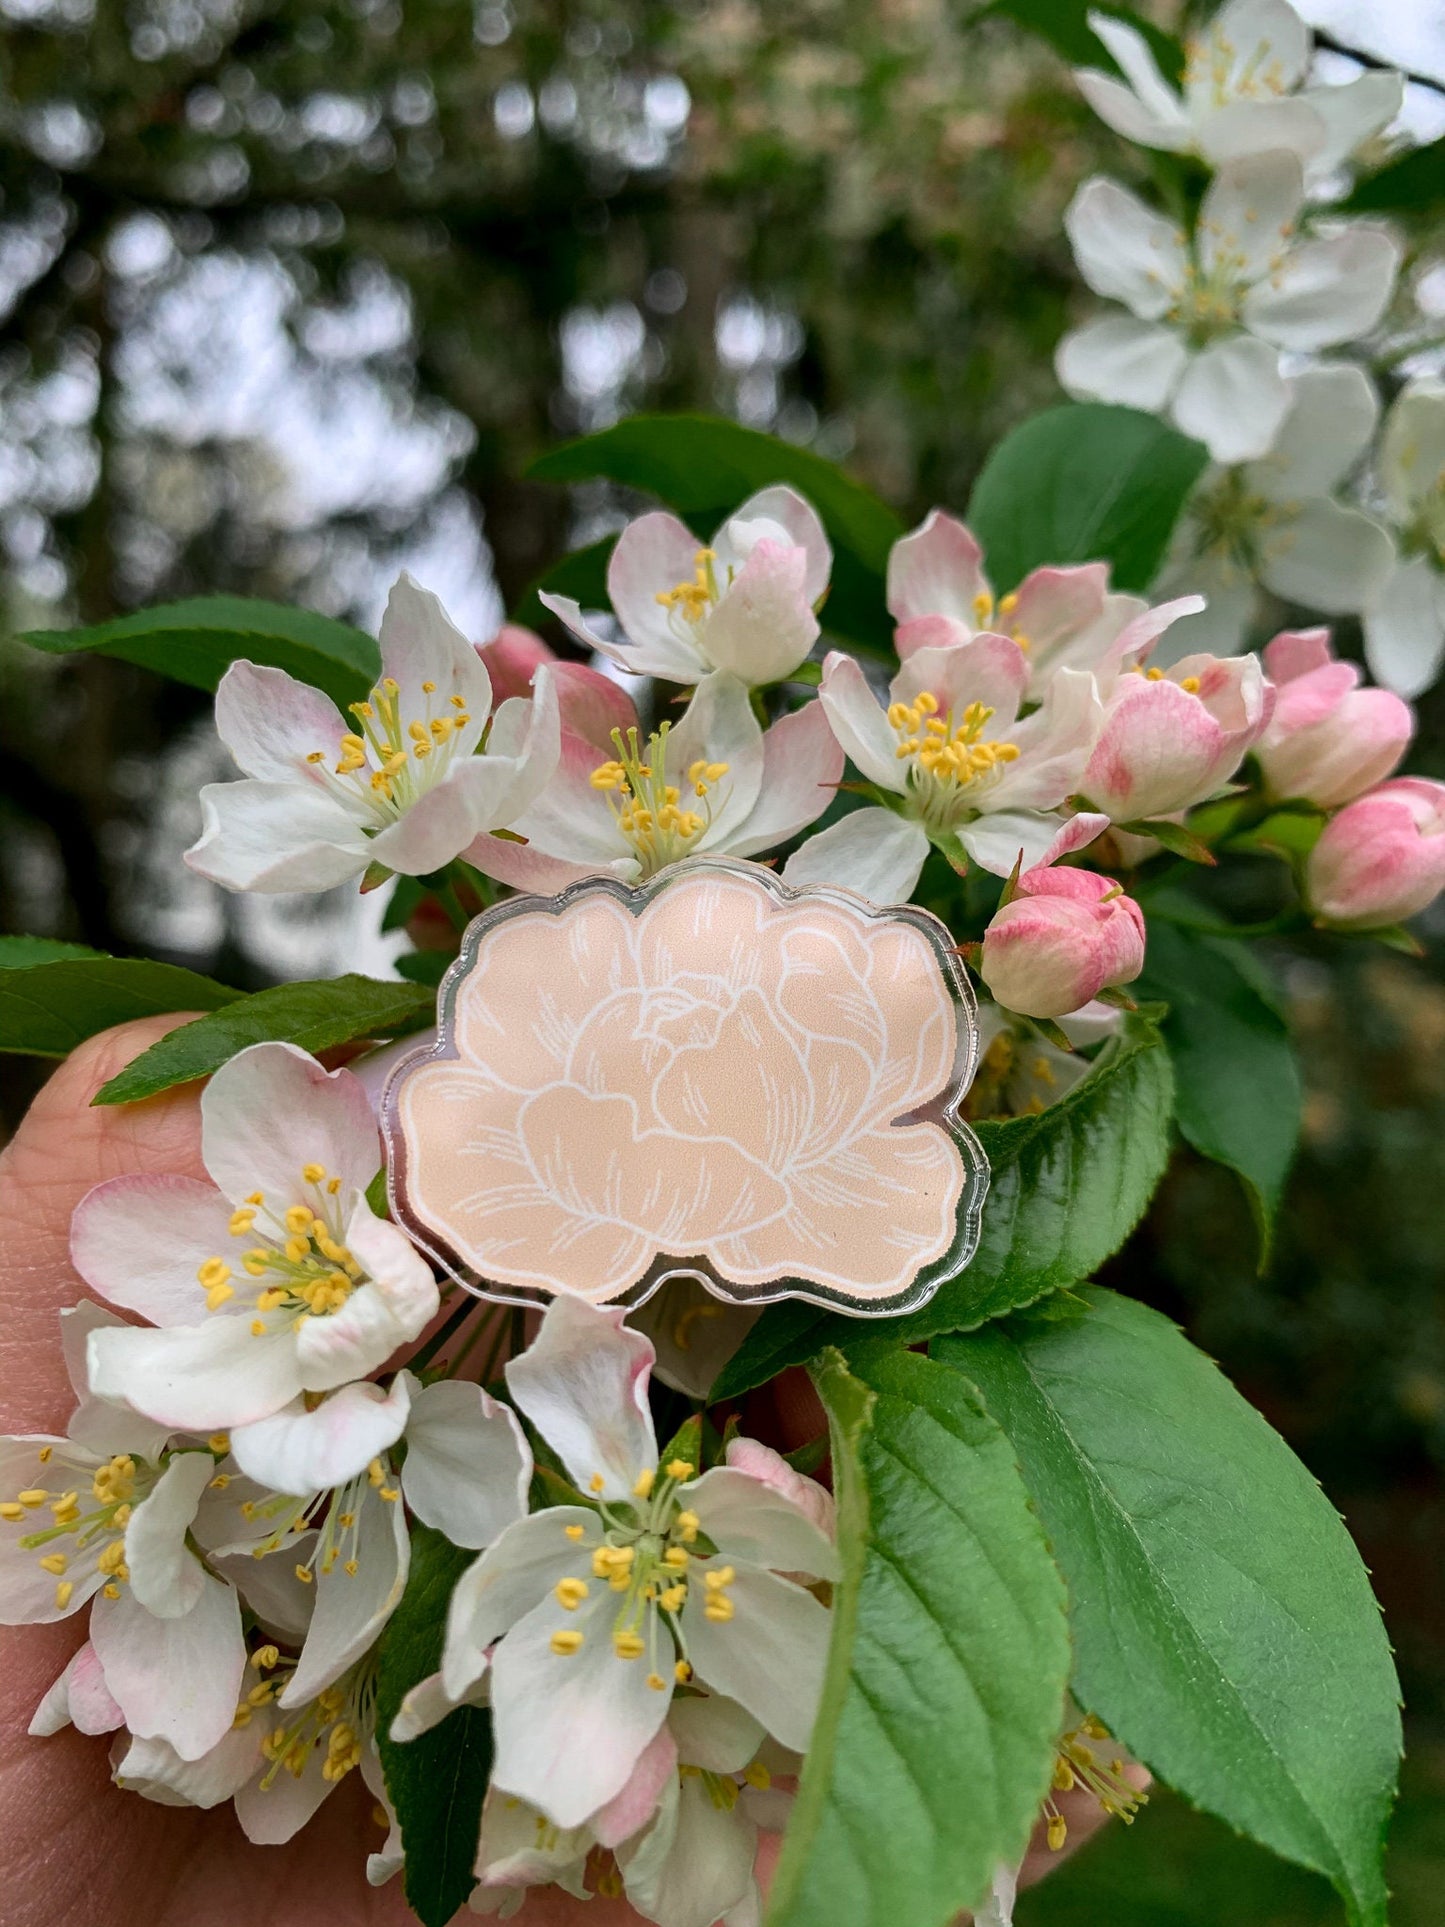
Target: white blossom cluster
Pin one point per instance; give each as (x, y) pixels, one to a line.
(1253, 324)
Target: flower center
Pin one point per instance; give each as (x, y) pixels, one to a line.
(1077, 1764)
(689, 603)
(1211, 62)
(337, 1720)
(997, 617)
(80, 1530)
(333, 1516)
(647, 1558)
(647, 809)
(1233, 523)
(395, 758)
(949, 761)
(301, 1267)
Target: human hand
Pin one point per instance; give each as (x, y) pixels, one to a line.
(79, 1849)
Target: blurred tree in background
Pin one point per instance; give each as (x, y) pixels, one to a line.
(291, 294)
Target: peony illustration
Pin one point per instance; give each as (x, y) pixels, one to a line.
(723, 1076)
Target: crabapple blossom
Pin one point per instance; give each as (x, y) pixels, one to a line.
(1243, 91)
(583, 1618)
(968, 769)
(1382, 859)
(78, 1527)
(628, 805)
(939, 594)
(1061, 939)
(1171, 738)
(317, 1291)
(1405, 626)
(1208, 316)
(1274, 525)
(405, 788)
(1328, 740)
(743, 604)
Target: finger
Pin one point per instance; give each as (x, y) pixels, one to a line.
(1083, 1816)
(63, 1147)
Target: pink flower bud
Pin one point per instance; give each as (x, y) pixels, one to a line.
(1066, 936)
(512, 658)
(1171, 739)
(771, 1469)
(1382, 859)
(1328, 740)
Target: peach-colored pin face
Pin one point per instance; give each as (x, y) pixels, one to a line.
(712, 1075)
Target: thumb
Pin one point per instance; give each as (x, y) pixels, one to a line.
(63, 1147)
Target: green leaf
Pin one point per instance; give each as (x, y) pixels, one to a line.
(704, 468)
(1412, 184)
(424, 966)
(1065, 25)
(436, 1783)
(1223, 1624)
(47, 1007)
(19, 953)
(1084, 482)
(1237, 1096)
(948, 1661)
(195, 642)
(314, 1016)
(1067, 1188)
(1174, 838)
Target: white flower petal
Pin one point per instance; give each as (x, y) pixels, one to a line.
(1119, 359)
(273, 1808)
(718, 726)
(139, 1240)
(513, 1575)
(1328, 557)
(802, 767)
(1125, 250)
(300, 1451)
(176, 1680)
(1333, 413)
(1121, 108)
(996, 843)
(352, 1607)
(653, 554)
(694, 1863)
(1251, 205)
(196, 1378)
(583, 1383)
(27, 1590)
(745, 1520)
(1244, 129)
(764, 625)
(936, 570)
(271, 1111)
(165, 1575)
(283, 1605)
(1354, 113)
(1405, 631)
(875, 852)
(1412, 448)
(998, 1908)
(271, 723)
(1326, 292)
(102, 1428)
(1233, 398)
(157, 1772)
(715, 1733)
(799, 519)
(859, 722)
(420, 644)
(468, 1466)
(570, 1727)
(1135, 60)
(275, 837)
(769, 1656)
(694, 1333)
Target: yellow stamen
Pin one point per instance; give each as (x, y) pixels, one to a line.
(566, 1642)
(571, 1592)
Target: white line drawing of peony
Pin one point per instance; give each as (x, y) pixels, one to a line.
(716, 1069)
